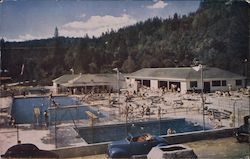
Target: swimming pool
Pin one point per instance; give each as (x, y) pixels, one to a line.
(23, 109)
(106, 133)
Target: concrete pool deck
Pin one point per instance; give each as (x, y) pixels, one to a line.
(44, 139)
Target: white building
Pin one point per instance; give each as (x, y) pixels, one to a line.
(185, 79)
(85, 83)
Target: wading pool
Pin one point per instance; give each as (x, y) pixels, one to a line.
(107, 133)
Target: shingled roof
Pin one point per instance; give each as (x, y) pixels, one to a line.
(183, 73)
(87, 79)
(92, 79)
(65, 78)
(96, 78)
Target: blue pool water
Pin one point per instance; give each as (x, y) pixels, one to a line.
(117, 132)
(23, 109)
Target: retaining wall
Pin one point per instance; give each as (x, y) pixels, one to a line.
(101, 148)
(199, 135)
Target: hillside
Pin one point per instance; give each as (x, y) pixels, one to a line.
(217, 34)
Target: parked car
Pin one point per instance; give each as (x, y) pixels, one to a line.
(28, 151)
(133, 146)
(243, 132)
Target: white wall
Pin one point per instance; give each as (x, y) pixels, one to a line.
(231, 82)
(183, 87)
(218, 88)
(55, 89)
(153, 84)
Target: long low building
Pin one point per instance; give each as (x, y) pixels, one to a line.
(85, 83)
(184, 79)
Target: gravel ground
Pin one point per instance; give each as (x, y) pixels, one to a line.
(224, 148)
(220, 148)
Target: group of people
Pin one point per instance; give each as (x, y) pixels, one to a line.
(221, 93)
(46, 118)
(12, 121)
(38, 114)
(145, 137)
(143, 110)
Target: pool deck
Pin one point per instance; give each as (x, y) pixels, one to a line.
(66, 136)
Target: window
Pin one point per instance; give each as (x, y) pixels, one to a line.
(138, 81)
(162, 84)
(238, 82)
(224, 83)
(216, 83)
(193, 84)
(146, 83)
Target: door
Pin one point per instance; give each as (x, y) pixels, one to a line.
(139, 148)
(206, 87)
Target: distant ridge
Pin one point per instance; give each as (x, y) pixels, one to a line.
(217, 34)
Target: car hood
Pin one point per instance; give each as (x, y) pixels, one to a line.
(119, 143)
(244, 129)
(159, 139)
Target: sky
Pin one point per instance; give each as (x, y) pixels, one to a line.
(22, 20)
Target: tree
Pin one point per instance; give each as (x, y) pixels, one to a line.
(216, 33)
(56, 34)
(93, 67)
(129, 65)
(3, 56)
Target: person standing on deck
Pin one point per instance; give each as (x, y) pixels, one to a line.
(159, 112)
(46, 118)
(12, 121)
(50, 96)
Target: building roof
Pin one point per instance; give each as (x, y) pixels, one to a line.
(96, 78)
(87, 80)
(183, 73)
(65, 78)
(92, 80)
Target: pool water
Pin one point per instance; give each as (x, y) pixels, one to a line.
(107, 133)
(23, 109)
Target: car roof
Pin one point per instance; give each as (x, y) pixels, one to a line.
(22, 147)
(28, 150)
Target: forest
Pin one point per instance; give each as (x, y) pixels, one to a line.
(216, 34)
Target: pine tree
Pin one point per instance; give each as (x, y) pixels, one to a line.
(129, 65)
(56, 34)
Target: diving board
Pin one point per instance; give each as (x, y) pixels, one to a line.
(91, 115)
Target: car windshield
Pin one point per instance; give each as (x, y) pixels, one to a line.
(142, 138)
(129, 137)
